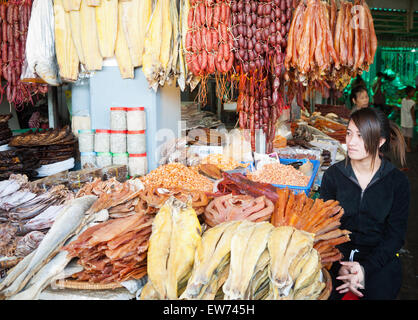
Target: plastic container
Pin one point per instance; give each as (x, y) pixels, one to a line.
(137, 164)
(102, 140)
(88, 158)
(296, 189)
(120, 158)
(118, 141)
(103, 159)
(136, 142)
(135, 118)
(86, 140)
(118, 118)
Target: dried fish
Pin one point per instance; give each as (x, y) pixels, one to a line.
(68, 223)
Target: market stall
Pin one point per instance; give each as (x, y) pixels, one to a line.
(149, 192)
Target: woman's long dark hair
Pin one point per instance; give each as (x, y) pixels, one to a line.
(373, 125)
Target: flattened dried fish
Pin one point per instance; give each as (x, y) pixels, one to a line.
(68, 223)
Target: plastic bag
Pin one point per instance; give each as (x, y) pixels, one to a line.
(40, 43)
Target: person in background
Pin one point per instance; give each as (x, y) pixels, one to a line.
(408, 120)
(375, 196)
(379, 98)
(359, 98)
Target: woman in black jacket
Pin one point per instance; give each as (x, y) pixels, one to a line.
(375, 196)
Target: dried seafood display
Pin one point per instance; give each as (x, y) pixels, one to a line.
(28, 243)
(238, 207)
(18, 161)
(295, 265)
(237, 183)
(44, 138)
(277, 173)
(50, 146)
(177, 176)
(26, 213)
(99, 186)
(176, 234)
(113, 251)
(153, 199)
(233, 261)
(314, 216)
(67, 224)
(222, 162)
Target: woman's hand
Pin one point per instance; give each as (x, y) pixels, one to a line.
(351, 273)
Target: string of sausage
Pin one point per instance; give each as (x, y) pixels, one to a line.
(208, 39)
(14, 21)
(260, 30)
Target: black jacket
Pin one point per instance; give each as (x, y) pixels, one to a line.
(377, 216)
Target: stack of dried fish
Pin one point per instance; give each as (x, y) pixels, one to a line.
(49, 146)
(18, 161)
(326, 44)
(233, 261)
(121, 201)
(28, 243)
(176, 234)
(99, 186)
(153, 199)
(40, 267)
(161, 58)
(113, 251)
(314, 216)
(124, 199)
(39, 203)
(238, 207)
(25, 213)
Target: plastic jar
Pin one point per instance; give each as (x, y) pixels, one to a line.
(120, 158)
(88, 158)
(86, 140)
(137, 164)
(136, 142)
(102, 140)
(135, 118)
(103, 159)
(117, 118)
(118, 141)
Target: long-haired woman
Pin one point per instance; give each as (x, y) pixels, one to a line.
(375, 196)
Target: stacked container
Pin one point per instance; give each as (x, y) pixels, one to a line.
(103, 159)
(118, 127)
(88, 158)
(136, 141)
(86, 140)
(120, 158)
(137, 164)
(136, 118)
(102, 140)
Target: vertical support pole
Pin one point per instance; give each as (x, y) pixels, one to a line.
(52, 107)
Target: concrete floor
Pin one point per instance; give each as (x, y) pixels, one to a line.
(409, 253)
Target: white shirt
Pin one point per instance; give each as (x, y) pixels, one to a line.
(406, 118)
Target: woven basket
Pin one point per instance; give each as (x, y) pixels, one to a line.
(83, 285)
(328, 285)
